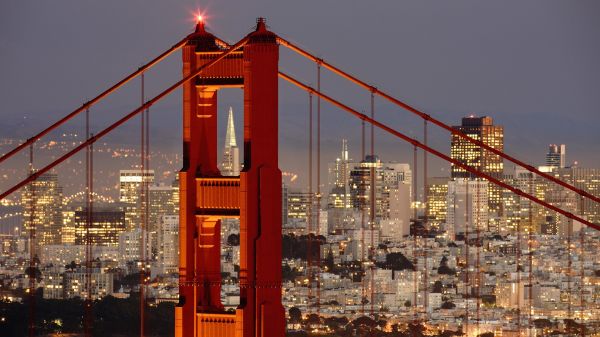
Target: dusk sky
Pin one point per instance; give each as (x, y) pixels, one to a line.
(534, 66)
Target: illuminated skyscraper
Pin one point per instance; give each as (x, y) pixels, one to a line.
(162, 200)
(483, 129)
(106, 225)
(556, 156)
(42, 208)
(231, 154)
(467, 201)
(339, 207)
(129, 193)
(437, 203)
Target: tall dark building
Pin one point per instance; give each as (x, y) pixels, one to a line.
(106, 224)
(556, 156)
(483, 129)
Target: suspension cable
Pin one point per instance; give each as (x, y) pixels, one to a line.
(310, 199)
(468, 218)
(372, 208)
(363, 227)
(433, 120)
(124, 119)
(425, 236)
(32, 239)
(437, 153)
(95, 100)
(530, 248)
(88, 224)
(582, 271)
(318, 218)
(142, 210)
(414, 231)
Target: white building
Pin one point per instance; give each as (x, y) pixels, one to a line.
(168, 243)
(467, 206)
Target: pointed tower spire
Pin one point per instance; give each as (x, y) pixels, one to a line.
(230, 135)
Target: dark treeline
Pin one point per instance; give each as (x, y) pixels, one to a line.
(112, 317)
(296, 247)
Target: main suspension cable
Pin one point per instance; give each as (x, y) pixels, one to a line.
(96, 99)
(437, 153)
(124, 119)
(433, 120)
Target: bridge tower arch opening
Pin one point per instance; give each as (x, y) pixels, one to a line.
(207, 197)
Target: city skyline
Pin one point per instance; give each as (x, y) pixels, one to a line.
(558, 28)
(446, 224)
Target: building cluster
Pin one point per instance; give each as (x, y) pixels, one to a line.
(459, 253)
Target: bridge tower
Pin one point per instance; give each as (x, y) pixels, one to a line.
(254, 197)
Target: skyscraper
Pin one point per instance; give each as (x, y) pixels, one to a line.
(129, 193)
(437, 203)
(467, 200)
(388, 176)
(483, 129)
(231, 154)
(556, 156)
(107, 222)
(42, 208)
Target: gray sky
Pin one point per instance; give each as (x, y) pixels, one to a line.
(532, 65)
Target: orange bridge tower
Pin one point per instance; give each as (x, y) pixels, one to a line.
(254, 197)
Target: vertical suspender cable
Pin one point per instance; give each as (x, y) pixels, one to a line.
(363, 207)
(478, 250)
(519, 269)
(467, 267)
(146, 183)
(530, 248)
(582, 264)
(414, 231)
(425, 224)
(318, 221)
(569, 267)
(309, 251)
(372, 207)
(141, 213)
(88, 223)
(32, 238)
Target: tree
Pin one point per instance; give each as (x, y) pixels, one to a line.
(329, 263)
(295, 315)
(233, 240)
(33, 272)
(448, 305)
(396, 261)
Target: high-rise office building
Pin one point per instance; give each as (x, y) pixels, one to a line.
(168, 243)
(42, 209)
(130, 182)
(587, 179)
(231, 154)
(437, 203)
(467, 206)
(483, 129)
(556, 156)
(299, 207)
(162, 200)
(519, 212)
(339, 207)
(388, 176)
(106, 223)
